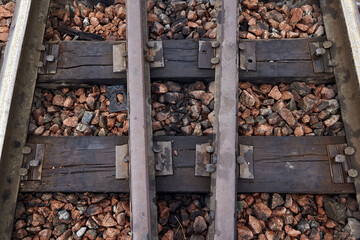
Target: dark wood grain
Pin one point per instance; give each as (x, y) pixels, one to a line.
(90, 62)
(281, 164)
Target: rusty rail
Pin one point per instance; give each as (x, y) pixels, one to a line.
(226, 78)
(142, 170)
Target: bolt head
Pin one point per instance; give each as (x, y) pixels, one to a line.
(23, 171)
(349, 151)
(339, 158)
(241, 46)
(215, 44)
(150, 44)
(35, 163)
(210, 168)
(156, 148)
(320, 51)
(327, 44)
(353, 173)
(50, 58)
(26, 150)
(159, 167)
(209, 149)
(215, 60)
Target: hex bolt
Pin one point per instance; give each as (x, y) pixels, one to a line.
(150, 44)
(26, 150)
(241, 46)
(150, 58)
(210, 168)
(352, 173)
(127, 159)
(240, 159)
(159, 167)
(35, 163)
(215, 44)
(156, 148)
(332, 63)
(349, 151)
(320, 51)
(50, 58)
(23, 171)
(209, 149)
(327, 44)
(339, 158)
(215, 60)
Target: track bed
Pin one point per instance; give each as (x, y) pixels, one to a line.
(217, 120)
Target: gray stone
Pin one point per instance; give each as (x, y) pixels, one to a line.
(173, 97)
(81, 208)
(197, 237)
(334, 210)
(81, 127)
(314, 224)
(265, 111)
(301, 88)
(64, 215)
(303, 226)
(247, 99)
(333, 106)
(250, 120)
(88, 116)
(81, 232)
(47, 118)
(260, 119)
(353, 227)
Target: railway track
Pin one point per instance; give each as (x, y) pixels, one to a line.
(262, 115)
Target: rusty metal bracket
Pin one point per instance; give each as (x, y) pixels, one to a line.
(49, 59)
(320, 55)
(119, 57)
(246, 161)
(33, 162)
(163, 158)
(206, 53)
(112, 94)
(247, 56)
(203, 163)
(155, 54)
(340, 163)
(122, 162)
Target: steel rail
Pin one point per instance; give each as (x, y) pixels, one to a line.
(142, 169)
(226, 79)
(11, 63)
(345, 75)
(350, 13)
(21, 102)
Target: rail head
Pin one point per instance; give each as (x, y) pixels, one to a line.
(350, 13)
(11, 63)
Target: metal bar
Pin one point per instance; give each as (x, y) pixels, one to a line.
(142, 170)
(11, 64)
(17, 123)
(350, 13)
(345, 77)
(226, 77)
